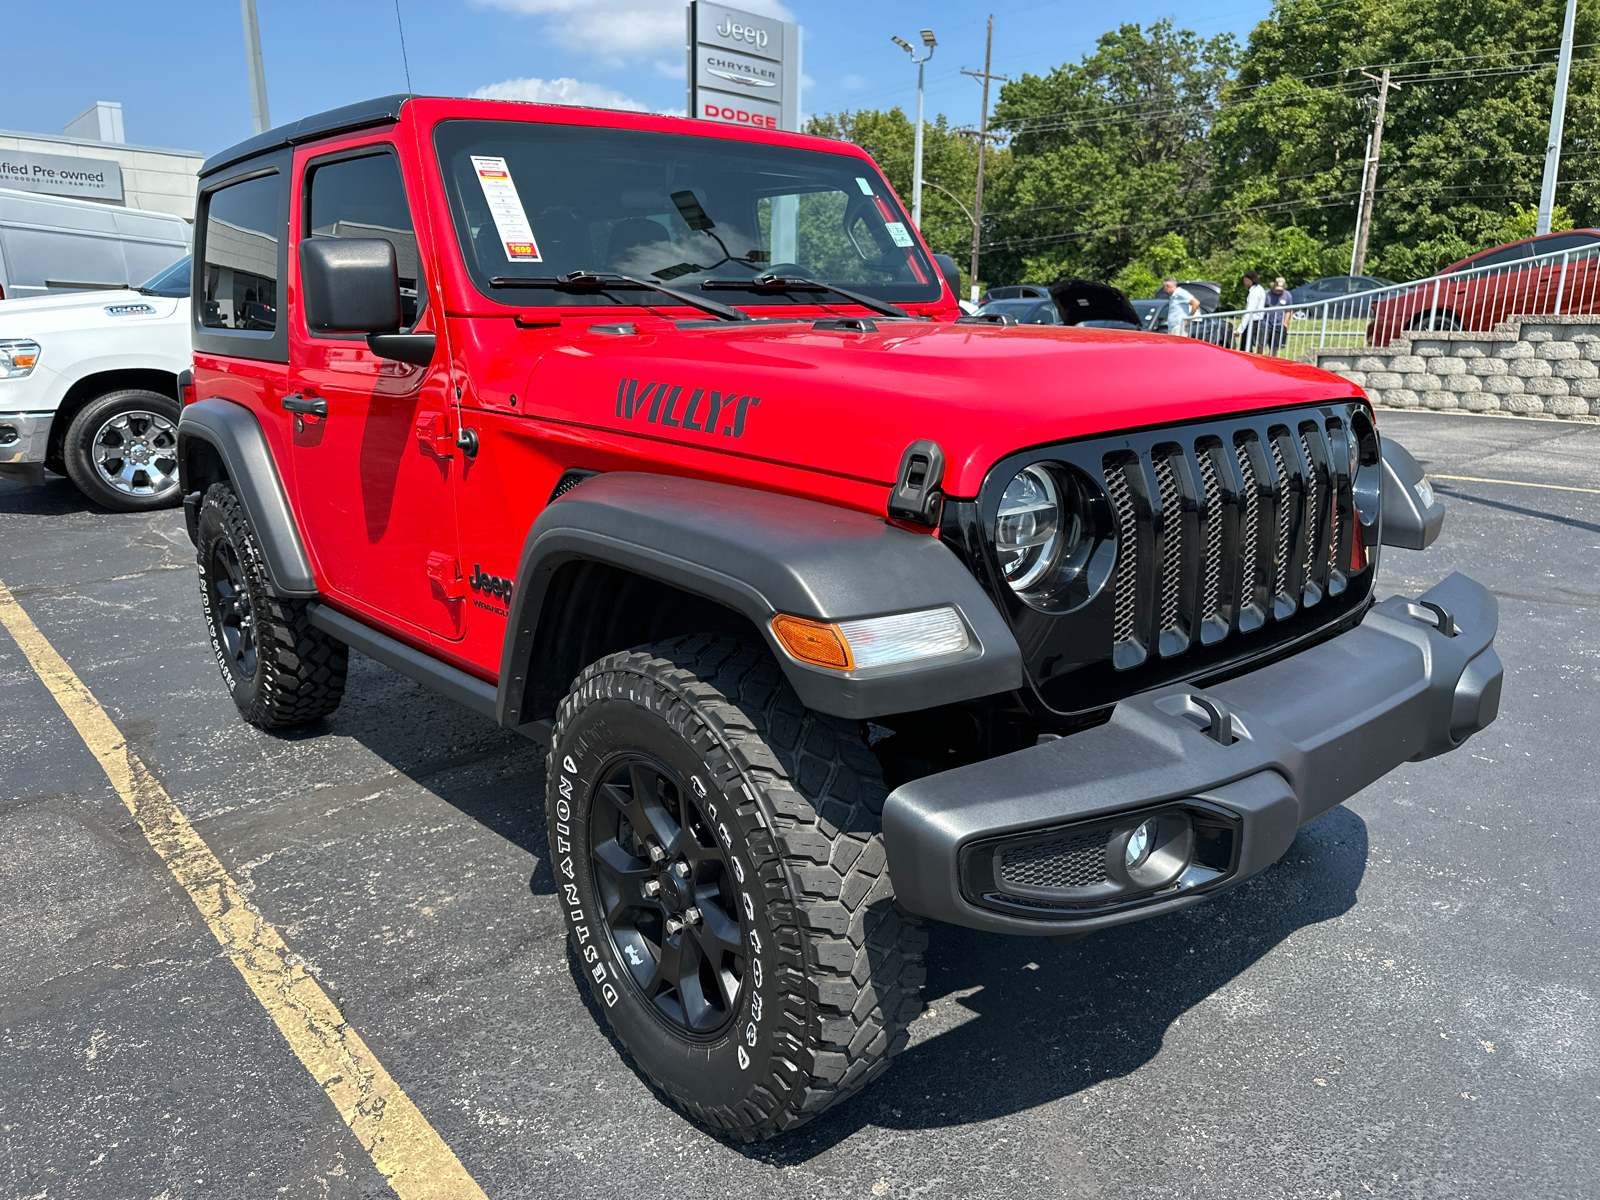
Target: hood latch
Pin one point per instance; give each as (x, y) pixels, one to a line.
(916, 495)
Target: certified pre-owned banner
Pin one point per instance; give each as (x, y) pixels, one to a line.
(60, 175)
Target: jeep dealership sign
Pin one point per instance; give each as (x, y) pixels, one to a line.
(60, 175)
(744, 69)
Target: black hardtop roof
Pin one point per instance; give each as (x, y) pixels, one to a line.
(380, 111)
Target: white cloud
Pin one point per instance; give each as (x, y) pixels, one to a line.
(615, 29)
(559, 91)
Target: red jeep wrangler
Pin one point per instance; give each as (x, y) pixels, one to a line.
(662, 443)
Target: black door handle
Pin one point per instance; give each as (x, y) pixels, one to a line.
(310, 406)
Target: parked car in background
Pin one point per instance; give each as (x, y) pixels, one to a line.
(1549, 274)
(89, 388)
(57, 244)
(1087, 303)
(1338, 288)
(1017, 291)
(1023, 312)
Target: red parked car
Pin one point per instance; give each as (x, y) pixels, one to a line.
(1523, 278)
(661, 443)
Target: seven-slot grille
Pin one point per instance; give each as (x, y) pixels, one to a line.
(1219, 534)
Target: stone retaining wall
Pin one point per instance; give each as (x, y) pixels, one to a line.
(1528, 365)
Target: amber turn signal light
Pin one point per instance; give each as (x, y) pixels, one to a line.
(814, 642)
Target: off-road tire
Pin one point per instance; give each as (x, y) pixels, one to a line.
(296, 672)
(77, 449)
(833, 966)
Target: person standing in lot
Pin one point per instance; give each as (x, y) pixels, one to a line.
(1254, 302)
(1181, 306)
(1276, 315)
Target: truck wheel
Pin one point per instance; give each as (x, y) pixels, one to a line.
(281, 670)
(717, 853)
(121, 450)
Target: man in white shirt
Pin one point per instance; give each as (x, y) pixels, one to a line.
(1180, 307)
(1255, 303)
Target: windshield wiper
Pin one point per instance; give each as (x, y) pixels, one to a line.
(766, 284)
(595, 281)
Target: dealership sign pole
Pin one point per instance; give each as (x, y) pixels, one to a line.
(744, 69)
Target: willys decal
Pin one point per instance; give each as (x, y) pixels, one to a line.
(676, 406)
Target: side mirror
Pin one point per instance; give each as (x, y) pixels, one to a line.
(349, 285)
(951, 273)
(1412, 517)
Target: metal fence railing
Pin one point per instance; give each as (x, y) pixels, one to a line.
(1560, 283)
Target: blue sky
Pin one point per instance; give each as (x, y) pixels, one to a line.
(177, 66)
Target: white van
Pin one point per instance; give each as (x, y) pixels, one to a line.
(91, 387)
(56, 244)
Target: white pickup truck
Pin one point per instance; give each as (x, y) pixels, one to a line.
(90, 389)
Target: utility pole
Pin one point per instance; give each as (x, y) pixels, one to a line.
(983, 135)
(1558, 117)
(258, 74)
(930, 42)
(1369, 184)
(1361, 196)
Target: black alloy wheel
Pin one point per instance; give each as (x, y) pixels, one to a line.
(718, 854)
(229, 600)
(280, 669)
(669, 900)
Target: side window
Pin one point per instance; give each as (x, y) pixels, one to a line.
(1564, 241)
(365, 198)
(241, 256)
(1500, 258)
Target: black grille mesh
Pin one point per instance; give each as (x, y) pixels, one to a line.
(1280, 575)
(1265, 544)
(1213, 577)
(1172, 543)
(1127, 554)
(569, 481)
(1071, 862)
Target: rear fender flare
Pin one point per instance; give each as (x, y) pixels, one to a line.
(233, 434)
(758, 554)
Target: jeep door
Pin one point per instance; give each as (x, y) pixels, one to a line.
(374, 476)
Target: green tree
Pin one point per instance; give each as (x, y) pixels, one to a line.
(1109, 155)
(949, 170)
(1463, 144)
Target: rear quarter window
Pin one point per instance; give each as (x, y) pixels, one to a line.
(242, 229)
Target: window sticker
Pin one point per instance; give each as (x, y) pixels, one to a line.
(866, 188)
(505, 206)
(898, 233)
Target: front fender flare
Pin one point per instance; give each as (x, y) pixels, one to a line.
(234, 433)
(759, 554)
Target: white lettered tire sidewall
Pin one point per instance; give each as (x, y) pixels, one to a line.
(735, 1070)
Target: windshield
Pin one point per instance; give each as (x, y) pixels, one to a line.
(535, 201)
(174, 281)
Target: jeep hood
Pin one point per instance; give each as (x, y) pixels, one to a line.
(849, 403)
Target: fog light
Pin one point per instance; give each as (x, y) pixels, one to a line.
(8, 435)
(1424, 491)
(1152, 853)
(1140, 842)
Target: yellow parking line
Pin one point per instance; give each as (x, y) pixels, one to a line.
(1554, 487)
(404, 1147)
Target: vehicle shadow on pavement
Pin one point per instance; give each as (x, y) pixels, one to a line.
(1049, 1021)
(57, 498)
(1015, 1023)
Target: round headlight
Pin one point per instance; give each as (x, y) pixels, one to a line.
(1027, 532)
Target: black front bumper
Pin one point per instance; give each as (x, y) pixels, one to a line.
(1244, 763)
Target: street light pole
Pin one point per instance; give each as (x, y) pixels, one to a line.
(930, 42)
(1558, 117)
(258, 74)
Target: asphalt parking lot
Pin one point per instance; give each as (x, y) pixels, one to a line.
(1408, 1004)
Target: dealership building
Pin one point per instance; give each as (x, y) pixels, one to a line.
(90, 160)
